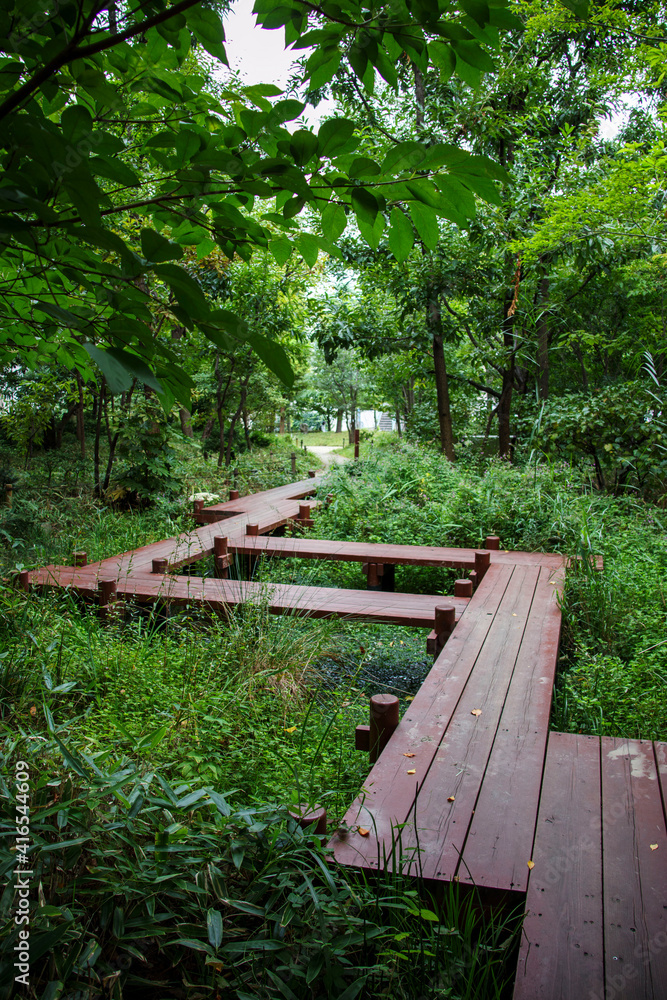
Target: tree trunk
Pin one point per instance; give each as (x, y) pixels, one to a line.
(398, 423)
(339, 421)
(80, 424)
(442, 390)
(282, 421)
(246, 429)
(186, 422)
(543, 338)
(98, 432)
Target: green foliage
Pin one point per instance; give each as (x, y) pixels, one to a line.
(620, 428)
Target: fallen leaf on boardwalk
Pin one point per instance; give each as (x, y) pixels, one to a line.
(412, 772)
(291, 729)
(654, 847)
(451, 798)
(476, 711)
(531, 864)
(514, 614)
(363, 831)
(408, 755)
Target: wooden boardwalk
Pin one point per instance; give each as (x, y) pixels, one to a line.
(470, 787)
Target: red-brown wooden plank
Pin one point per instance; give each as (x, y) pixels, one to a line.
(635, 875)
(440, 826)
(388, 795)
(501, 833)
(561, 954)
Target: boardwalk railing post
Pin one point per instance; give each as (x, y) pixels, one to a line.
(463, 588)
(293, 461)
(304, 518)
(388, 578)
(9, 492)
(356, 445)
(24, 580)
(220, 557)
(374, 573)
(492, 542)
(384, 720)
(160, 566)
(197, 508)
(107, 594)
(482, 563)
(233, 494)
(307, 816)
(445, 620)
(80, 558)
(253, 531)
(311, 473)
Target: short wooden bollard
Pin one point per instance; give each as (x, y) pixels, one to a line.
(492, 542)
(374, 573)
(293, 461)
(220, 557)
(24, 580)
(159, 566)
(445, 620)
(356, 445)
(252, 529)
(463, 588)
(197, 507)
(233, 494)
(307, 817)
(384, 720)
(9, 493)
(311, 473)
(106, 597)
(482, 563)
(80, 558)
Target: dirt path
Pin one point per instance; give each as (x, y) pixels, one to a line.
(327, 454)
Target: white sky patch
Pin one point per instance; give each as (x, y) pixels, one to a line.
(260, 56)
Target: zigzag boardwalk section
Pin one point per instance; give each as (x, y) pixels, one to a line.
(470, 786)
(473, 738)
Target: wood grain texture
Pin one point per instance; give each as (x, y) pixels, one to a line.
(635, 876)
(561, 953)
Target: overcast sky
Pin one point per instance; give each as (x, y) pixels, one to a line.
(259, 55)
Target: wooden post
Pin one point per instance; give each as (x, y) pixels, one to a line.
(307, 817)
(252, 529)
(197, 507)
(445, 620)
(80, 558)
(160, 566)
(220, 557)
(492, 542)
(106, 596)
(356, 445)
(9, 492)
(293, 461)
(374, 572)
(384, 720)
(24, 580)
(311, 473)
(473, 578)
(482, 563)
(233, 494)
(463, 588)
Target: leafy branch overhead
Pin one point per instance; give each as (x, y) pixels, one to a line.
(125, 163)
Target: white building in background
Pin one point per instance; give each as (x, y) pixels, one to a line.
(375, 420)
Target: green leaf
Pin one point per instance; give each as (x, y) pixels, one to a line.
(404, 156)
(113, 170)
(309, 248)
(274, 357)
(365, 205)
(578, 7)
(334, 221)
(117, 376)
(334, 135)
(188, 293)
(426, 224)
(372, 233)
(401, 235)
(280, 250)
(303, 146)
(475, 56)
(208, 29)
(214, 927)
(477, 9)
(443, 57)
(156, 248)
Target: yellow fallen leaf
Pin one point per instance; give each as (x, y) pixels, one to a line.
(33, 710)
(531, 864)
(476, 711)
(408, 755)
(412, 772)
(363, 831)
(291, 729)
(654, 847)
(451, 798)
(410, 697)
(514, 614)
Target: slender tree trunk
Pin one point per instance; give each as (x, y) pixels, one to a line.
(398, 423)
(98, 432)
(442, 390)
(339, 421)
(246, 429)
(237, 414)
(80, 424)
(281, 429)
(543, 338)
(186, 422)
